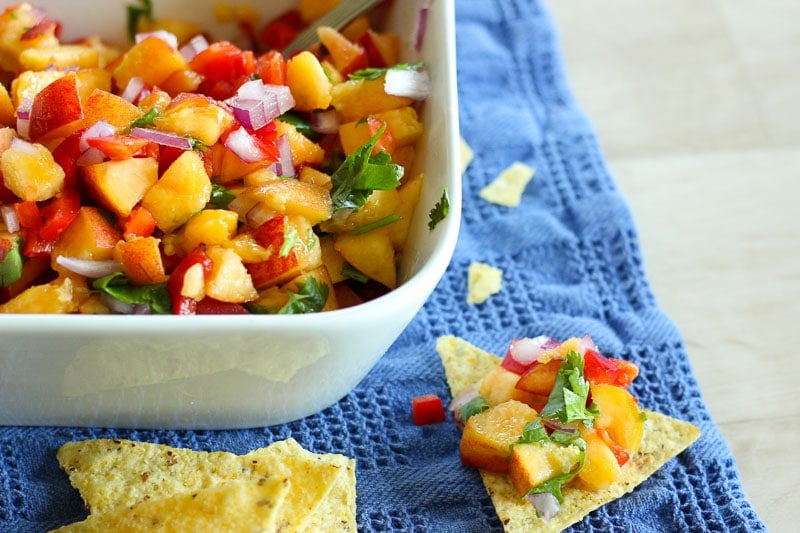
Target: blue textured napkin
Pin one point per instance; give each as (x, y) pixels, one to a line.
(572, 265)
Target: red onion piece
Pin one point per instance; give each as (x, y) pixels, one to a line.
(241, 143)
(133, 90)
(325, 121)
(422, 24)
(170, 38)
(283, 166)
(414, 84)
(525, 351)
(586, 343)
(98, 130)
(258, 214)
(254, 114)
(275, 100)
(545, 503)
(10, 218)
(89, 267)
(90, 157)
(118, 306)
(24, 109)
(23, 145)
(165, 138)
(196, 44)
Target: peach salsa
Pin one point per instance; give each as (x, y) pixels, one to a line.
(184, 175)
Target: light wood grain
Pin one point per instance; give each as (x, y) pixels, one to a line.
(695, 105)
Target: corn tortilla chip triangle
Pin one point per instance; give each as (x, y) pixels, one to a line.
(116, 473)
(664, 438)
(232, 506)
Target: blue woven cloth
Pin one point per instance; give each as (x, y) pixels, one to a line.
(572, 265)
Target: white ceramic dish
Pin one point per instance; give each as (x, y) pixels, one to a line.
(233, 371)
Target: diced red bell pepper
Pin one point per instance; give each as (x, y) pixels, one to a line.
(606, 370)
(118, 147)
(210, 306)
(28, 214)
(59, 213)
(620, 454)
(280, 31)
(185, 305)
(66, 154)
(271, 68)
(427, 409)
(224, 68)
(140, 223)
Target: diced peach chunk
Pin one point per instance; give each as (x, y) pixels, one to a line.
(488, 436)
(531, 464)
(619, 415)
(30, 172)
(141, 260)
(120, 185)
(183, 190)
(308, 82)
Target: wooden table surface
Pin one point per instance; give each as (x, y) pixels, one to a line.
(695, 103)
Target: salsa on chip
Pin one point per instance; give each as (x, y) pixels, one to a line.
(553, 428)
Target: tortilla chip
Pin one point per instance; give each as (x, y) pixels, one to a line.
(507, 188)
(113, 473)
(664, 438)
(323, 488)
(483, 281)
(240, 505)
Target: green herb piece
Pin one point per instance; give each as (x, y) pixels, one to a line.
(439, 211)
(534, 432)
(375, 73)
(137, 12)
(11, 265)
(220, 196)
(197, 144)
(554, 484)
(349, 271)
(567, 400)
(310, 297)
(148, 119)
(289, 239)
(381, 222)
(311, 239)
(476, 405)
(301, 124)
(118, 286)
(361, 173)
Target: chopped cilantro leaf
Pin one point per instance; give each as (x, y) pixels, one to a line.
(349, 271)
(476, 405)
(310, 297)
(137, 12)
(289, 239)
(220, 197)
(439, 211)
(534, 432)
(11, 265)
(145, 120)
(567, 401)
(361, 173)
(375, 73)
(554, 484)
(381, 222)
(118, 286)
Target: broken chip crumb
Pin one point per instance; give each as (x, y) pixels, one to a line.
(482, 282)
(466, 155)
(507, 188)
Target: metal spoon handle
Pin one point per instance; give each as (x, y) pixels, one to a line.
(336, 18)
